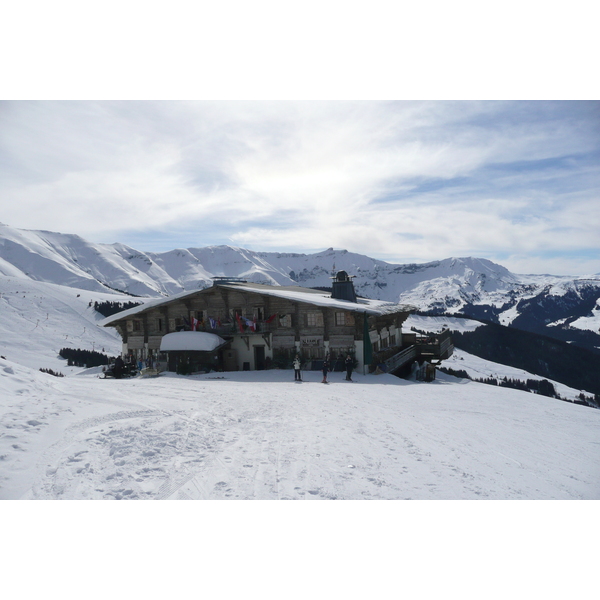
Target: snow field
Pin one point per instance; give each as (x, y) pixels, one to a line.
(259, 435)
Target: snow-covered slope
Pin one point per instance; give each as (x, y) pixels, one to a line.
(71, 261)
(590, 322)
(259, 435)
(37, 319)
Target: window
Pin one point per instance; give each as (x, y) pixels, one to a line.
(259, 313)
(314, 319)
(285, 320)
(159, 324)
(344, 318)
(137, 325)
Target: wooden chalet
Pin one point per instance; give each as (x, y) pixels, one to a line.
(263, 326)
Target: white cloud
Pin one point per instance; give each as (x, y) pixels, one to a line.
(389, 179)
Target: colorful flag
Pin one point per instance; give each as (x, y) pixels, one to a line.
(240, 324)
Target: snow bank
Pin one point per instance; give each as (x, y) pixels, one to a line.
(198, 341)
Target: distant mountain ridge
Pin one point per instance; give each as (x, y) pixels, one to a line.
(561, 306)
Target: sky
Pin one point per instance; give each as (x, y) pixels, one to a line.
(404, 181)
(307, 137)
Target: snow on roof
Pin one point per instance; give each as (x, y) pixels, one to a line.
(145, 306)
(320, 298)
(292, 293)
(197, 341)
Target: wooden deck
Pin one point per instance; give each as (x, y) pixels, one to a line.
(437, 347)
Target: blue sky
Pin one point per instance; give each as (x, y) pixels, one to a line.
(404, 181)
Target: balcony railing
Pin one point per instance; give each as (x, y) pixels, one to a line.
(436, 347)
(230, 329)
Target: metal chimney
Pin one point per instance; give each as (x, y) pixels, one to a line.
(343, 288)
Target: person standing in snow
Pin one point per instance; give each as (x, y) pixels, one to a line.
(349, 362)
(118, 368)
(325, 369)
(297, 365)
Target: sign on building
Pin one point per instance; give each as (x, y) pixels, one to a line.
(311, 341)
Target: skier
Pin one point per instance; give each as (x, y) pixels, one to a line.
(325, 369)
(297, 365)
(349, 366)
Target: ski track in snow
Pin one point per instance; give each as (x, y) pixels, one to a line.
(261, 436)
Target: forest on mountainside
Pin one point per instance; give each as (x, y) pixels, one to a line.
(566, 363)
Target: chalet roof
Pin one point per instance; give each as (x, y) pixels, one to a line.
(321, 298)
(292, 293)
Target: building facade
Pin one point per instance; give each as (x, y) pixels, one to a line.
(265, 326)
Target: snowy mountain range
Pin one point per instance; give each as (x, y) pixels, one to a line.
(567, 308)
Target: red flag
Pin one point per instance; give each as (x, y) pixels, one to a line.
(240, 323)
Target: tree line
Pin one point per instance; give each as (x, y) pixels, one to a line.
(51, 372)
(566, 363)
(83, 358)
(109, 308)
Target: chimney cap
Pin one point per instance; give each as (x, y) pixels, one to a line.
(343, 276)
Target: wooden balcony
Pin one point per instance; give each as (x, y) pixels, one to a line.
(436, 347)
